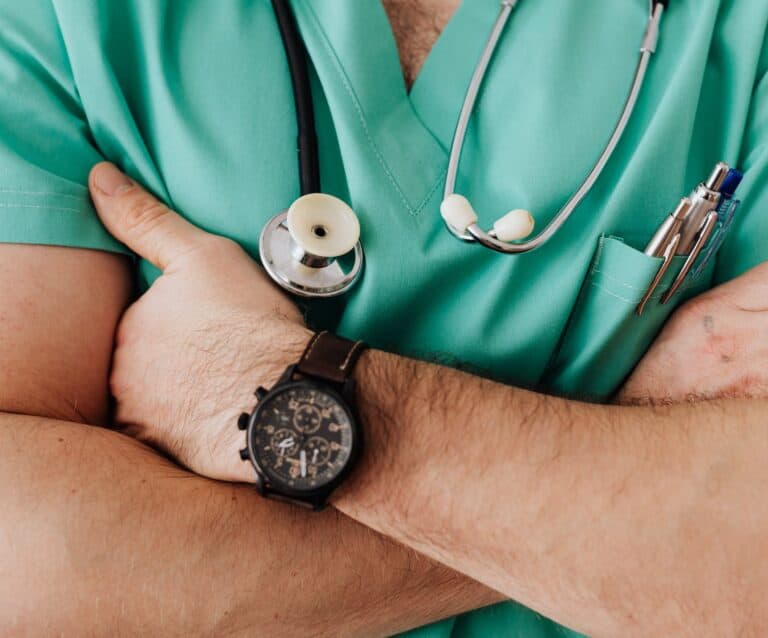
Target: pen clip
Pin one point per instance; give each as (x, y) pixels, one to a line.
(704, 234)
(726, 214)
(669, 252)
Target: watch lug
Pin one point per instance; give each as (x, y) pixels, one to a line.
(260, 485)
(245, 455)
(243, 420)
(261, 392)
(319, 503)
(290, 371)
(348, 390)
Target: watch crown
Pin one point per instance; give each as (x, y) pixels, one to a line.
(261, 392)
(244, 454)
(242, 421)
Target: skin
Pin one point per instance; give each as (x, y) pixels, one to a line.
(108, 509)
(416, 24)
(714, 349)
(650, 520)
(89, 523)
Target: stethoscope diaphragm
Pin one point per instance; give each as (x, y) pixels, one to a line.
(313, 249)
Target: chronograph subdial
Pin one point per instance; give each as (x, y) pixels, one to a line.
(318, 450)
(307, 418)
(285, 442)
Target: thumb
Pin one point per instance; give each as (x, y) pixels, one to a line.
(139, 220)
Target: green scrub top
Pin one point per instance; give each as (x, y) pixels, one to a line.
(193, 99)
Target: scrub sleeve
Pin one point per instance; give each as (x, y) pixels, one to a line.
(45, 144)
(162, 97)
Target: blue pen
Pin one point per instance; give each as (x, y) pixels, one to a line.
(731, 182)
(726, 213)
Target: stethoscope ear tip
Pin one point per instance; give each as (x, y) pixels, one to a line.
(517, 224)
(459, 215)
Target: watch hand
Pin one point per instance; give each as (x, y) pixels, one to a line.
(314, 456)
(303, 461)
(284, 446)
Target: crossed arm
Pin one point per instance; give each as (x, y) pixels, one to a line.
(100, 535)
(596, 516)
(629, 521)
(616, 521)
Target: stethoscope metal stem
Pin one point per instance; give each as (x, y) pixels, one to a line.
(487, 239)
(468, 107)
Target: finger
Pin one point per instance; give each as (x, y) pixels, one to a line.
(139, 220)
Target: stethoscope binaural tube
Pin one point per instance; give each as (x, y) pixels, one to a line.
(457, 211)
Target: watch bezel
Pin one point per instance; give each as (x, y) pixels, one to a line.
(315, 496)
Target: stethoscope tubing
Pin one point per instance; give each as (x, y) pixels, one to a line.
(280, 243)
(468, 107)
(296, 54)
(475, 233)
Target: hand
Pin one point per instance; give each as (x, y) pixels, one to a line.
(715, 346)
(192, 350)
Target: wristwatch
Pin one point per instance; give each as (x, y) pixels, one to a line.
(303, 436)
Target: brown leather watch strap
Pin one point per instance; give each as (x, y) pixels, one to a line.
(330, 357)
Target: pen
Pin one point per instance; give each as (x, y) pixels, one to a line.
(668, 229)
(664, 244)
(704, 215)
(705, 198)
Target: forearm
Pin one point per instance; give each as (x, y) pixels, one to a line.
(102, 535)
(614, 521)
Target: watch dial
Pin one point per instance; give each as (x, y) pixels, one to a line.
(302, 437)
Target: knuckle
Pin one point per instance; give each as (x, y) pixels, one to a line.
(118, 385)
(143, 213)
(694, 310)
(122, 334)
(131, 323)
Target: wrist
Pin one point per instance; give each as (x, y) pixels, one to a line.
(272, 351)
(389, 388)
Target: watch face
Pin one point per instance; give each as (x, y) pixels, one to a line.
(302, 437)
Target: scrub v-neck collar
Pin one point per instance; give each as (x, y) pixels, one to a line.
(355, 55)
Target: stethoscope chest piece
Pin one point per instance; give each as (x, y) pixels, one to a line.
(313, 249)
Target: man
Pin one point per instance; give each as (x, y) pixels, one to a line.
(610, 520)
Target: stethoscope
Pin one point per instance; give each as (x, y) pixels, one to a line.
(313, 248)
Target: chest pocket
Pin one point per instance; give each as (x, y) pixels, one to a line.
(605, 338)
